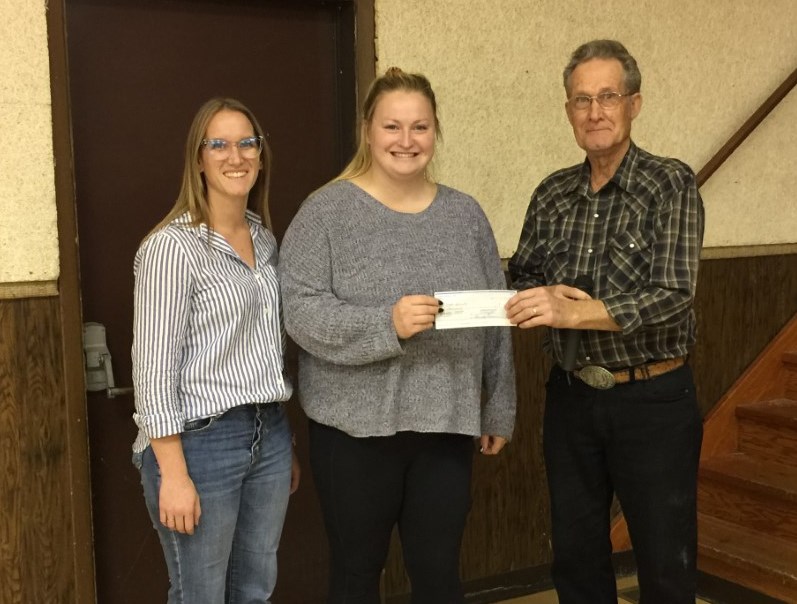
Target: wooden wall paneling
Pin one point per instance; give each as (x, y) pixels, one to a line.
(509, 523)
(76, 476)
(741, 304)
(10, 453)
(36, 561)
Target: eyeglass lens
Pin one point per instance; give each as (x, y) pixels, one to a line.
(606, 100)
(248, 148)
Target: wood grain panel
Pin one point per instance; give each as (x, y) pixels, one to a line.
(36, 562)
(753, 559)
(10, 546)
(772, 438)
(750, 509)
(741, 304)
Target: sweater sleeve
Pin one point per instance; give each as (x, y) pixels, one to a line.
(498, 374)
(321, 323)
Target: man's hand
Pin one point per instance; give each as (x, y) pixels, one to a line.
(551, 305)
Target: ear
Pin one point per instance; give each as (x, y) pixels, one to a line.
(636, 105)
(569, 113)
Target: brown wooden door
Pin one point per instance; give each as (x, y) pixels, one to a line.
(138, 71)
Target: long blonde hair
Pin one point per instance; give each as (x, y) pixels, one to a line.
(193, 190)
(393, 79)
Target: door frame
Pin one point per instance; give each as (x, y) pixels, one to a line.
(79, 483)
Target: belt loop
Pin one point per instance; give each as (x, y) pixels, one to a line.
(631, 375)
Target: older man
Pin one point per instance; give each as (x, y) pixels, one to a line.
(625, 228)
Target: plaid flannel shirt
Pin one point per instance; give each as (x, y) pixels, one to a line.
(639, 238)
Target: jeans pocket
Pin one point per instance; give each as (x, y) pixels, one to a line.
(138, 460)
(199, 425)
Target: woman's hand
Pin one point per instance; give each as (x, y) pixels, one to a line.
(178, 500)
(414, 314)
(179, 504)
(491, 445)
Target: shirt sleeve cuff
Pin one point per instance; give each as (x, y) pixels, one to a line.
(159, 426)
(624, 310)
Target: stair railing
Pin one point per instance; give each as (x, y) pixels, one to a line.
(747, 128)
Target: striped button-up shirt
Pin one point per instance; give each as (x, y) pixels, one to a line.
(638, 237)
(207, 333)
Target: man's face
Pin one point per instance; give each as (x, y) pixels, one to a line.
(601, 131)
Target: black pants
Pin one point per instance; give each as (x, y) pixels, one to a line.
(368, 485)
(641, 440)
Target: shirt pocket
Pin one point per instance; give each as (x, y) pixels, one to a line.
(555, 258)
(629, 261)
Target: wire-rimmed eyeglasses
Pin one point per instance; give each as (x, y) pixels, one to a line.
(607, 100)
(248, 148)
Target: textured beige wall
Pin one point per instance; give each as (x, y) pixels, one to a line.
(496, 68)
(706, 66)
(28, 232)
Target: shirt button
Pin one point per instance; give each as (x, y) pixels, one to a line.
(589, 251)
(631, 246)
(597, 215)
(588, 358)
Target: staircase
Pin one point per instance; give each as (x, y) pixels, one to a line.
(747, 490)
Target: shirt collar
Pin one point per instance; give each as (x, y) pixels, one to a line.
(185, 220)
(216, 241)
(579, 181)
(623, 178)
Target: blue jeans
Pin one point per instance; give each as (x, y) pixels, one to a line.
(641, 440)
(240, 463)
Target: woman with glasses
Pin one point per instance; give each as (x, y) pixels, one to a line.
(214, 444)
(394, 405)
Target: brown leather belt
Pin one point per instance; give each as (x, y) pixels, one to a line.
(603, 379)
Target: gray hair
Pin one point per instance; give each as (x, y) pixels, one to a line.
(606, 49)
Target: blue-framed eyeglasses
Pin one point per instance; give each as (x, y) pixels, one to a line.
(249, 147)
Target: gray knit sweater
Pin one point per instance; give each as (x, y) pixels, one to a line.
(345, 260)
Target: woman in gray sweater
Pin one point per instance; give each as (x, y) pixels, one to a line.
(393, 403)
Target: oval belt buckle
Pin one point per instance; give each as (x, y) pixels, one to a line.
(597, 377)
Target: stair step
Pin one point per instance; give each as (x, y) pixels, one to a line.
(748, 492)
(746, 557)
(738, 469)
(768, 430)
(776, 412)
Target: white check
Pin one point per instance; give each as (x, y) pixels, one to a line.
(473, 308)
